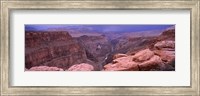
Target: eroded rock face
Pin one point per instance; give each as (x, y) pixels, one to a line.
(55, 49)
(154, 54)
(167, 56)
(122, 64)
(44, 68)
(165, 44)
(151, 64)
(34, 39)
(119, 55)
(144, 60)
(123, 59)
(143, 55)
(81, 67)
(130, 66)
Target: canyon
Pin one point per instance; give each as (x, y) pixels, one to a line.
(136, 51)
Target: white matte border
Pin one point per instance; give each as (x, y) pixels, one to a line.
(180, 77)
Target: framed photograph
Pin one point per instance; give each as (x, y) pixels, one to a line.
(91, 47)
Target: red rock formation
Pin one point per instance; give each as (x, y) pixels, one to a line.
(128, 66)
(166, 51)
(159, 55)
(119, 55)
(45, 68)
(167, 56)
(143, 55)
(152, 64)
(81, 67)
(122, 64)
(35, 39)
(144, 60)
(56, 49)
(165, 44)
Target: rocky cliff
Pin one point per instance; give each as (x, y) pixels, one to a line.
(157, 53)
(56, 49)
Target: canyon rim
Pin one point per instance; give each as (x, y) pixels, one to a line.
(99, 47)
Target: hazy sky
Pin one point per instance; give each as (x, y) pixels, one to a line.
(95, 27)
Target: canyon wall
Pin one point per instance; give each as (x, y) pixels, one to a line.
(97, 47)
(56, 49)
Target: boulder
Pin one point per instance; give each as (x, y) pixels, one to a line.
(129, 66)
(119, 55)
(166, 56)
(81, 67)
(109, 65)
(123, 59)
(150, 64)
(165, 44)
(45, 68)
(122, 64)
(143, 55)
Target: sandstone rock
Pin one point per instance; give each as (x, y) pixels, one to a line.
(129, 66)
(153, 63)
(35, 39)
(166, 56)
(81, 67)
(123, 59)
(165, 44)
(149, 54)
(57, 49)
(119, 55)
(132, 66)
(109, 65)
(143, 55)
(45, 68)
(122, 64)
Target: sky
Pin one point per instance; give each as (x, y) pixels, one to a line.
(96, 27)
